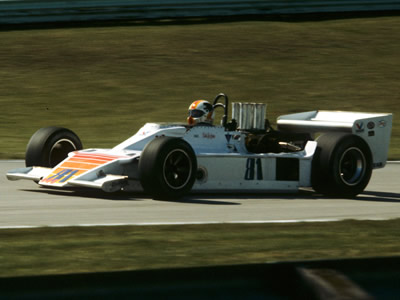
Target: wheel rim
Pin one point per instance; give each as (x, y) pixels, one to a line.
(60, 151)
(352, 166)
(177, 169)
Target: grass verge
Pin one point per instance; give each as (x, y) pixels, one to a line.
(92, 249)
(106, 82)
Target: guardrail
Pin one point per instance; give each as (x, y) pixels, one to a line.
(39, 11)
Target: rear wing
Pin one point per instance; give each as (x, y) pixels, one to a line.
(374, 128)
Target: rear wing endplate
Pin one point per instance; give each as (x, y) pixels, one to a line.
(374, 128)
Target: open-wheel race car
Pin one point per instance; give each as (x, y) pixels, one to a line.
(333, 152)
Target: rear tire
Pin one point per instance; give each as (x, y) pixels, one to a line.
(50, 145)
(342, 165)
(167, 168)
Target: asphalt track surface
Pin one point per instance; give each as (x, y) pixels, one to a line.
(25, 204)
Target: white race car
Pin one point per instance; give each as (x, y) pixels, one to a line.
(168, 161)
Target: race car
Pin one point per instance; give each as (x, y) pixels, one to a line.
(332, 152)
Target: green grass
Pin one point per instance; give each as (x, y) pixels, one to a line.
(93, 249)
(105, 82)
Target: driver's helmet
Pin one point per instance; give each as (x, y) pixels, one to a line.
(200, 111)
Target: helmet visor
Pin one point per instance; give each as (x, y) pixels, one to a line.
(196, 113)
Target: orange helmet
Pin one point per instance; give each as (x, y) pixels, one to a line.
(200, 111)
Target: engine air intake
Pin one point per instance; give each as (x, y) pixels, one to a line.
(249, 116)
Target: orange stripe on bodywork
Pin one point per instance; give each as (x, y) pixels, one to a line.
(97, 156)
(76, 165)
(89, 161)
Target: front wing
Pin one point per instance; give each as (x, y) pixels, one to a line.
(81, 169)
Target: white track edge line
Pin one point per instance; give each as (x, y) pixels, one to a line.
(183, 223)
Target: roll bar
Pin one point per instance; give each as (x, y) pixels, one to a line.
(225, 106)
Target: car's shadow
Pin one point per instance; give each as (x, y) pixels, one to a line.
(379, 196)
(370, 196)
(213, 198)
(124, 196)
(193, 199)
(85, 193)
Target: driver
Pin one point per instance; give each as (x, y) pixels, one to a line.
(201, 112)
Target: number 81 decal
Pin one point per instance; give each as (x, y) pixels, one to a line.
(253, 169)
(61, 177)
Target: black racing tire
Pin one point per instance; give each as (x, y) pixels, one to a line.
(167, 168)
(342, 165)
(50, 145)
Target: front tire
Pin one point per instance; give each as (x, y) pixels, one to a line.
(167, 168)
(50, 145)
(342, 165)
